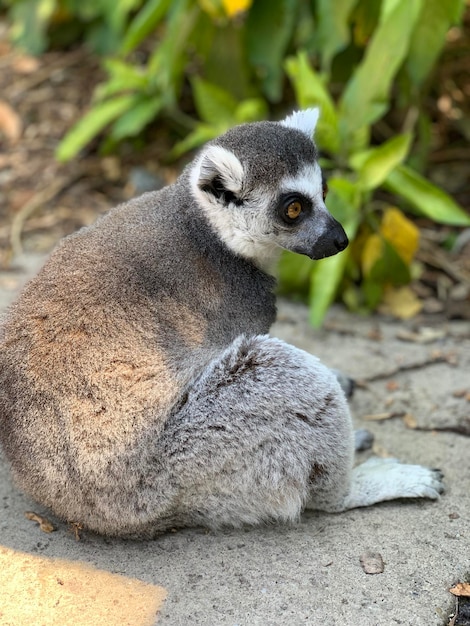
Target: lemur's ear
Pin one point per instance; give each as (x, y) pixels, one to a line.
(220, 174)
(304, 121)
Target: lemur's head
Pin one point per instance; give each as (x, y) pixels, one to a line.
(262, 190)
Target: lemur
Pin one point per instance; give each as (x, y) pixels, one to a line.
(139, 387)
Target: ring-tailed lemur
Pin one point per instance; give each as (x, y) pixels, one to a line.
(139, 389)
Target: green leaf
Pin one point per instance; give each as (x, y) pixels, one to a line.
(251, 110)
(91, 124)
(311, 91)
(428, 199)
(269, 28)
(429, 36)
(333, 32)
(214, 105)
(324, 281)
(123, 77)
(343, 203)
(294, 274)
(201, 134)
(389, 267)
(144, 23)
(374, 165)
(366, 96)
(365, 18)
(372, 294)
(224, 47)
(143, 111)
(30, 20)
(167, 62)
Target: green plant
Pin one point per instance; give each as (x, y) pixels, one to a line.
(402, 46)
(209, 64)
(40, 24)
(192, 42)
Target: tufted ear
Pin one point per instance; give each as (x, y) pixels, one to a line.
(305, 121)
(220, 174)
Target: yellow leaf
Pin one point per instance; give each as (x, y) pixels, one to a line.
(371, 253)
(401, 233)
(400, 302)
(233, 7)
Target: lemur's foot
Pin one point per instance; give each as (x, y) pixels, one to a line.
(348, 385)
(363, 440)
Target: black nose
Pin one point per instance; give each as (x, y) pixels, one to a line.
(332, 241)
(341, 241)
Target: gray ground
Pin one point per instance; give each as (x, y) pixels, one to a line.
(310, 573)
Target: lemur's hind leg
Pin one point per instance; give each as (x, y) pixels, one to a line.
(378, 480)
(264, 423)
(264, 432)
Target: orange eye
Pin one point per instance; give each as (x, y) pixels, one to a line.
(325, 190)
(294, 209)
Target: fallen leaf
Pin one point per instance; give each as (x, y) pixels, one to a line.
(461, 589)
(372, 563)
(400, 302)
(461, 393)
(76, 528)
(44, 524)
(447, 357)
(381, 452)
(10, 122)
(410, 421)
(423, 335)
(25, 64)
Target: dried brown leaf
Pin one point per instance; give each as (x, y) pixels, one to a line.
(462, 393)
(44, 524)
(410, 421)
(461, 589)
(10, 122)
(381, 451)
(25, 64)
(423, 335)
(400, 302)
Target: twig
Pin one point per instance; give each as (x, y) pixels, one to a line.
(407, 367)
(432, 256)
(450, 154)
(457, 429)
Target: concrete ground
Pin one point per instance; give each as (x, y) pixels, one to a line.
(415, 392)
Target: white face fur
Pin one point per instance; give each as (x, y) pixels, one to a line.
(243, 218)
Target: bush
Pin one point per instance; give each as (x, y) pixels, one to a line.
(242, 60)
